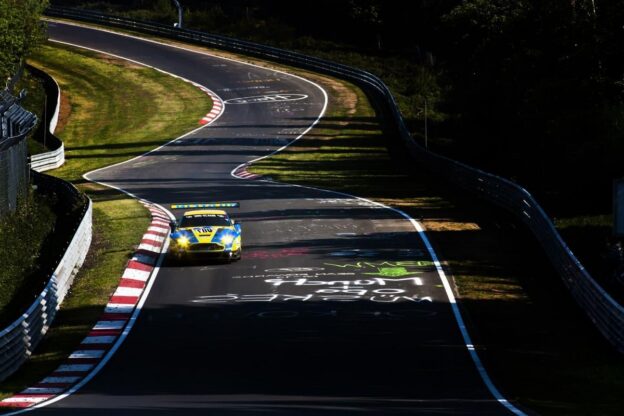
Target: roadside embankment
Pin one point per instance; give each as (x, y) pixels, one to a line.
(100, 124)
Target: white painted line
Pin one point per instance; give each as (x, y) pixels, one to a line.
(98, 340)
(157, 229)
(118, 308)
(149, 247)
(72, 368)
(314, 123)
(24, 400)
(136, 274)
(68, 380)
(107, 325)
(87, 354)
(43, 390)
(128, 291)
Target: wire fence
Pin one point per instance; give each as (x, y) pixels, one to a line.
(15, 124)
(19, 339)
(602, 309)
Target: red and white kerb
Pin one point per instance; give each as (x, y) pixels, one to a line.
(217, 106)
(111, 324)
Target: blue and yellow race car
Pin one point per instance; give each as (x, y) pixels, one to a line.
(206, 232)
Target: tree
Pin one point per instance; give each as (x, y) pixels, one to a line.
(368, 13)
(21, 30)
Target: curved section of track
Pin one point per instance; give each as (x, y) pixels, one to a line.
(336, 306)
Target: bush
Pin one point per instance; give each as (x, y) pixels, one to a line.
(24, 233)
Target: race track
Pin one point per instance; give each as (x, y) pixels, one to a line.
(335, 308)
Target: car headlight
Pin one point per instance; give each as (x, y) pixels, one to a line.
(183, 241)
(227, 239)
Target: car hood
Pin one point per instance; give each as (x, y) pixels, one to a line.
(207, 234)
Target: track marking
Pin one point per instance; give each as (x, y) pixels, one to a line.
(86, 175)
(485, 377)
(448, 290)
(457, 314)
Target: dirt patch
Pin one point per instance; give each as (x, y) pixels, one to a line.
(347, 98)
(107, 59)
(449, 225)
(64, 113)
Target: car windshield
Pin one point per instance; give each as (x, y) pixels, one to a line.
(203, 220)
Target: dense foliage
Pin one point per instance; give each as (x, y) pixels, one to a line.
(24, 233)
(20, 31)
(531, 89)
(538, 91)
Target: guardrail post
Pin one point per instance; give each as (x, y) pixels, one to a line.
(180, 13)
(26, 337)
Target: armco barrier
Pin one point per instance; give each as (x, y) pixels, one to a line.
(603, 310)
(48, 160)
(55, 158)
(18, 340)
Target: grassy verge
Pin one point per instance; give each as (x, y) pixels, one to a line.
(536, 343)
(23, 234)
(591, 239)
(101, 123)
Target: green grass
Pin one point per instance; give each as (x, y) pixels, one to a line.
(119, 224)
(539, 347)
(104, 122)
(590, 237)
(116, 109)
(23, 235)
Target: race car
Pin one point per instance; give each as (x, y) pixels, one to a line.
(206, 232)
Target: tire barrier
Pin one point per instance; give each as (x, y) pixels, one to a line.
(44, 134)
(19, 339)
(602, 309)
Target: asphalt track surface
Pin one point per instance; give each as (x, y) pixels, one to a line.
(334, 308)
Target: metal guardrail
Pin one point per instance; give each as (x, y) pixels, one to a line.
(48, 160)
(55, 158)
(19, 339)
(15, 124)
(15, 121)
(602, 309)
